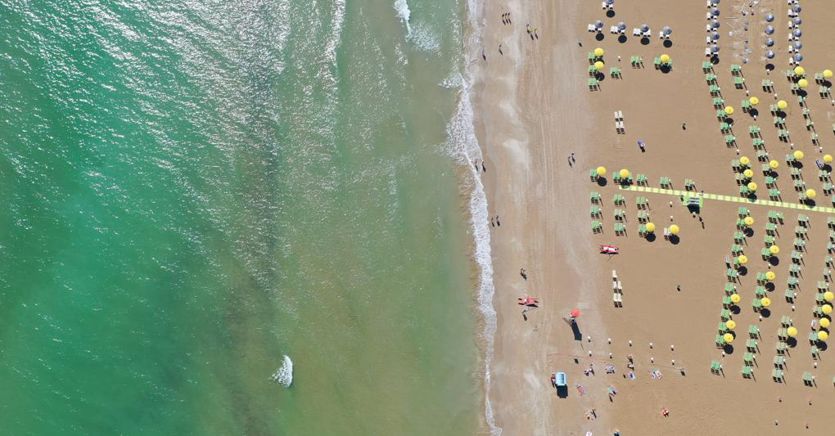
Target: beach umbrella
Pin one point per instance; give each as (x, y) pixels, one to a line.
(765, 301)
(621, 26)
(730, 324)
(827, 309)
(749, 221)
(798, 57)
(598, 24)
(748, 173)
(770, 276)
(575, 313)
(796, 8)
(769, 42)
(792, 331)
(797, 20)
(773, 164)
(822, 335)
(744, 160)
(799, 71)
(650, 227)
(824, 322)
(827, 158)
(752, 187)
(769, 54)
(610, 2)
(827, 74)
(798, 33)
(782, 104)
(769, 29)
(774, 249)
(798, 45)
(742, 259)
(728, 338)
(714, 24)
(735, 298)
(714, 12)
(769, 17)
(828, 295)
(714, 49)
(599, 65)
(601, 171)
(803, 83)
(667, 30)
(811, 194)
(599, 52)
(674, 229)
(664, 58)
(798, 154)
(729, 110)
(754, 101)
(624, 173)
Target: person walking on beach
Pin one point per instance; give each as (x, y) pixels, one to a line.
(683, 126)
(483, 55)
(500, 49)
(642, 146)
(523, 273)
(498, 223)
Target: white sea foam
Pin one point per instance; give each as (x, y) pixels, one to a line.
(424, 38)
(284, 374)
(404, 14)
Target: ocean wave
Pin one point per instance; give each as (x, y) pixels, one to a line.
(424, 39)
(404, 13)
(284, 374)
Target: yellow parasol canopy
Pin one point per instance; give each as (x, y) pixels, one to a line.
(828, 296)
(728, 337)
(773, 164)
(799, 71)
(752, 186)
(744, 160)
(827, 74)
(599, 52)
(754, 101)
(827, 158)
(782, 104)
(748, 173)
(765, 301)
(729, 110)
(674, 229)
(742, 259)
(798, 154)
(770, 276)
(650, 227)
(749, 221)
(730, 324)
(735, 298)
(774, 249)
(664, 58)
(624, 173)
(601, 171)
(599, 65)
(824, 322)
(822, 335)
(803, 83)
(811, 194)
(792, 331)
(827, 309)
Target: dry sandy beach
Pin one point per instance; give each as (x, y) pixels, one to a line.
(535, 109)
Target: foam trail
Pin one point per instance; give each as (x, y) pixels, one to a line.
(284, 375)
(404, 13)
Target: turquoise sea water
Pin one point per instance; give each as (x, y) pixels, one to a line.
(192, 190)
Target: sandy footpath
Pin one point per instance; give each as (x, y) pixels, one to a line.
(533, 110)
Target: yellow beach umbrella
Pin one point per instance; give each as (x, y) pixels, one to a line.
(728, 338)
(782, 104)
(774, 249)
(754, 101)
(749, 220)
(650, 227)
(811, 194)
(729, 110)
(828, 296)
(792, 331)
(827, 74)
(730, 324)
(827, 309)
(827, 158)
(748, 173)
(735, 298)
(599, 65)
(752, 186)
(824, 322)
(765, 301)
(773, 164)
(601, 171)
(803, 83)
(799, 71)
(798, 154)
(624, 173)
(770, 276)
(664, 58)
(599, 52)
(674, 229)
(742, 259)
(822, 335)
(744, 160)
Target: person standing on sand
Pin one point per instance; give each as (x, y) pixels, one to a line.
(500, 49)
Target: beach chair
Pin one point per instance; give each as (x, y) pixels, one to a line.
(756, 304)
(779, 362)
(710, 78)
(596, 226)
(815, 352)
(765, 254)
(720, 114)
(642, 229)
(739, 82)
(730, 139)
(619, 200)
(620, 229)
(751, 345)
(748, 371)
(729, 288)
(718, 102)
(792, 282)
(783, 134)
(777, 375)
(715, 367)
(770, 181)
(774, 194)
(758, 144)
(615, 73)
(767, 84)
(760, 292)
(782, 347)
(789, 294)
(808, 379)
(595, 197)
(707, 66)
(771, 228)
(739, 237)
(768, 240)
(643, 216)
(815, 138)
(595, 211)
(779, 121)
(753, 331)
(593, 175)
(619, 214)
(593, 84)
(617, 299)
(642, 179)
(736, 69)
(725, 315)
(748, 358)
